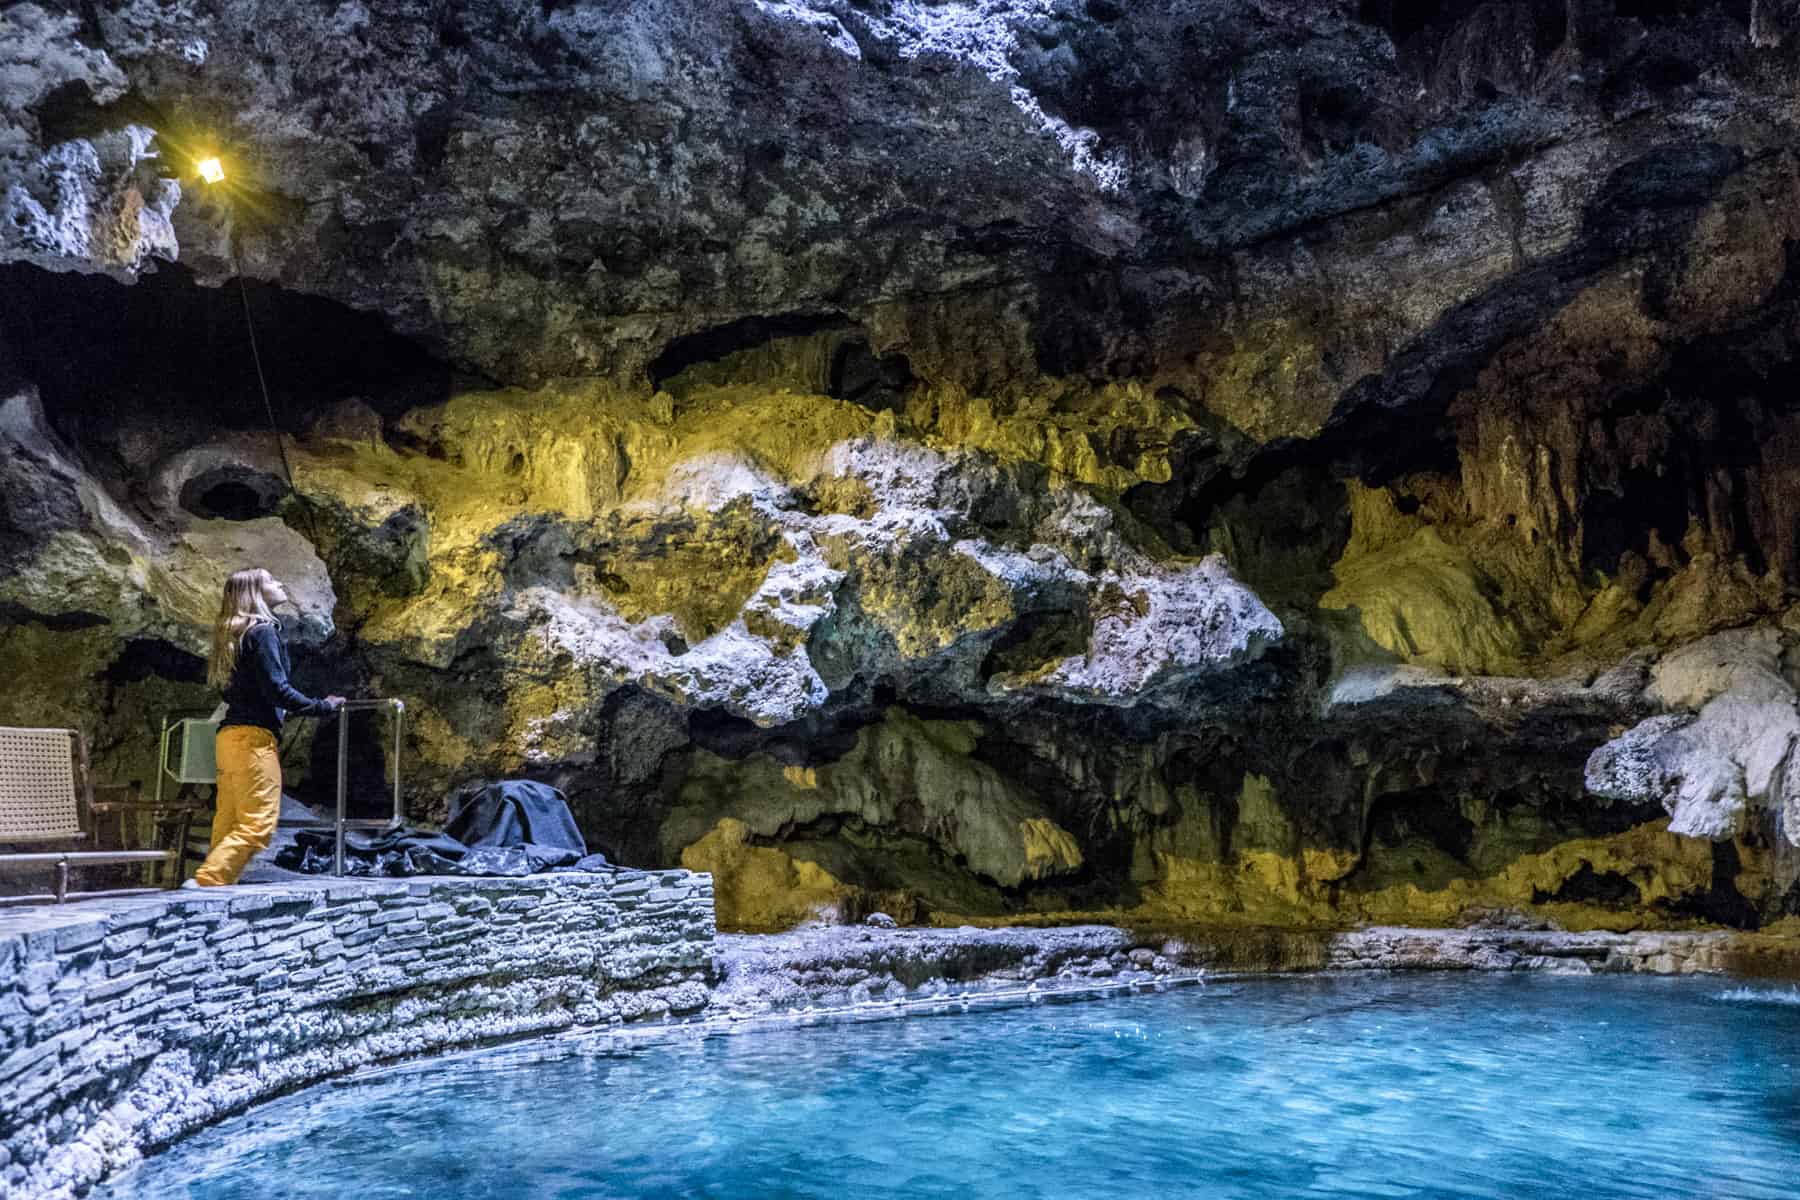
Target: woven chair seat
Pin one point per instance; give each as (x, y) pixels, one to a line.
(37, 785)
(45, 787)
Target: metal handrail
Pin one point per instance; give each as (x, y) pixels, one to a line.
(340, 824)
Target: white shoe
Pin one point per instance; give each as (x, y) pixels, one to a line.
(188, 884)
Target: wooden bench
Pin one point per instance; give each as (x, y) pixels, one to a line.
(45, 790)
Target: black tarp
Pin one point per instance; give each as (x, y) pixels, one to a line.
(516, 812)
(514, 827)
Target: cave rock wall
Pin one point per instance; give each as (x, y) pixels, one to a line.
(1192, 461)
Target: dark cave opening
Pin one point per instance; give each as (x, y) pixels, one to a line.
(233, 493)
(152, 658)
(1622, 519)
(230, 500)
(69, 110)
(880, 382)
(368, 778)
(721, 341)
(826, 353)
(813, 740)
(1424, 817)
(1404, 19)
(142, 367)
(1037, 640)
(1607, 889)
(1722, 902)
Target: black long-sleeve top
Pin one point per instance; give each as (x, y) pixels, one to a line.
(259, 693)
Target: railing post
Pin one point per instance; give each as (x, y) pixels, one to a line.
(162, 757)
(343, 771)
(343, 787)
(399, 716)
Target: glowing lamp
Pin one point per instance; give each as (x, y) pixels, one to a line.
(212, 170)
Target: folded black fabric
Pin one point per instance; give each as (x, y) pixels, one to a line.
(516, 812)
(508, 828)
(407, 851)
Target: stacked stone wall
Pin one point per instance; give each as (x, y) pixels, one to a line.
(126, 1023)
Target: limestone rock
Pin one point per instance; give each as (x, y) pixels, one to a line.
(98, 203)
(1643, 763)
(912, 777)
(1426, 602)
(1715, 770)
(75, 550)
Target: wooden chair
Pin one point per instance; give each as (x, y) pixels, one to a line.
(46, 789)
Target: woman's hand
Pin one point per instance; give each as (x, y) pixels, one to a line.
(334, 702)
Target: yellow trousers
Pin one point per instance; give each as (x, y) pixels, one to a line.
(249, 778)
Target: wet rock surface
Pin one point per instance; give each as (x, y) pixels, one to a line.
(1229, 460)
(850, 971)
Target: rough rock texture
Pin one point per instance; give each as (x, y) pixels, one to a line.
(1220, 460)
(1725, 769)
(843, 969)
(125, 1024)
(868, 971)
(1390, 949)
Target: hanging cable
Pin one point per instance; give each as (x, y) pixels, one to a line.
(287, 469)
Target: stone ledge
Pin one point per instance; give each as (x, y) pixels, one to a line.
(127, 1022)
(839, 968)
(1656, 953)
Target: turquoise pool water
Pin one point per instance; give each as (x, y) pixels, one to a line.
(1470, 1086)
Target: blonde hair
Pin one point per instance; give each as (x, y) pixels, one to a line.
(245, 606)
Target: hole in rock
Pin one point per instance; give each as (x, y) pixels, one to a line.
(232, 494)
(69, 111)
(748, 333)
(1644, 503)
(432, 130)
(875, 381)
(1608, 889)
(166, 362)
(63, 621)
(153, 658)
(1661, 67)
(368, 778)
(1722, 902)
(1424, 817)
(1333, 118)
(813, 740)
(804, 352)
(1036, 640)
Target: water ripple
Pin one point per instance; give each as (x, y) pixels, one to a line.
(1474, 1086)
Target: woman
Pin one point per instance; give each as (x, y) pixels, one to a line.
(250, 663)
